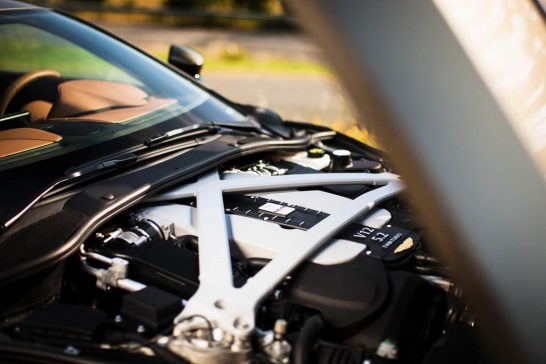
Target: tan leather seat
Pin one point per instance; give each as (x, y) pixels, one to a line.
(39, 110)
(103, 101)
(84, 96)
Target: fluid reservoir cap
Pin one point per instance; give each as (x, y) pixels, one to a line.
(341, 158)
(315, 153)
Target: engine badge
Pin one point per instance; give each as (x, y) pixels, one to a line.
(277, 209)
(276, 212)
(406, 245)
(389, 243)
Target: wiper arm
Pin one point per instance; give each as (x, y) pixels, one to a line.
(188, 131)
(118, 161)
(72, 173)
(110, 163)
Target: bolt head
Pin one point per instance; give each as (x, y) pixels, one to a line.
(71, 350)
(108, 197)
(280, 327)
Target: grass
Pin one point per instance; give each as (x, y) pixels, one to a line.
(243, 62)
(77, 62)
(68, 61)
(352, 129)
(278, 66)
(72, 61)
(41, 50)
(48, 51)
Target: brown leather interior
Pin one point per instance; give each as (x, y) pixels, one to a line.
(84, 96)
(115, 116)
(92, 101)
(19, 140)
(39, 110)
(17, 85)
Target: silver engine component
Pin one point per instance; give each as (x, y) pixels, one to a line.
(274, 345)
(143, 231)
(262, 239)
(261, 168)
(201, 344)
(304, 160)
(218, 320)
(114, 276)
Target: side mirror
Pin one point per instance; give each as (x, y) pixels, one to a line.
(186, 59)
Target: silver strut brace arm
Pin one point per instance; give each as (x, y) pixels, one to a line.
(233, 309)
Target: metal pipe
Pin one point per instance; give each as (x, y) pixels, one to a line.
(126, 284)
(130, 285)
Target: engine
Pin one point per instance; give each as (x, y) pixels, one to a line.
(308, 256)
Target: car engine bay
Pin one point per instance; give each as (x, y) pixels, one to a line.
(309, 255)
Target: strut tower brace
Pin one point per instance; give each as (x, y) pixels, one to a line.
(233, 309)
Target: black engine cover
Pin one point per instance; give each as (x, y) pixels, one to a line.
(345, 294)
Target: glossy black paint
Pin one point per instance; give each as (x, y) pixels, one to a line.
(20, 185)
(24, 250)
(187, 59)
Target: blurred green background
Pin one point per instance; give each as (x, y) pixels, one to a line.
(254, 49)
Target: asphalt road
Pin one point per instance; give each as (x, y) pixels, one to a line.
(311, 97)
(300, 98)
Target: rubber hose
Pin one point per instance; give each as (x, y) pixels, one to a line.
(303, 347)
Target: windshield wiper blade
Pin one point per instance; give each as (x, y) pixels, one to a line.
(187, 131)
(105, 164)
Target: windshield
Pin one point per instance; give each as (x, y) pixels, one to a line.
(65, 86)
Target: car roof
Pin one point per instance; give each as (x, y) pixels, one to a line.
(15, 5)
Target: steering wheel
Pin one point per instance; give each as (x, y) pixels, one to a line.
(16, 86)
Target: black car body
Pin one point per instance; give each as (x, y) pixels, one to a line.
(146, 218)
